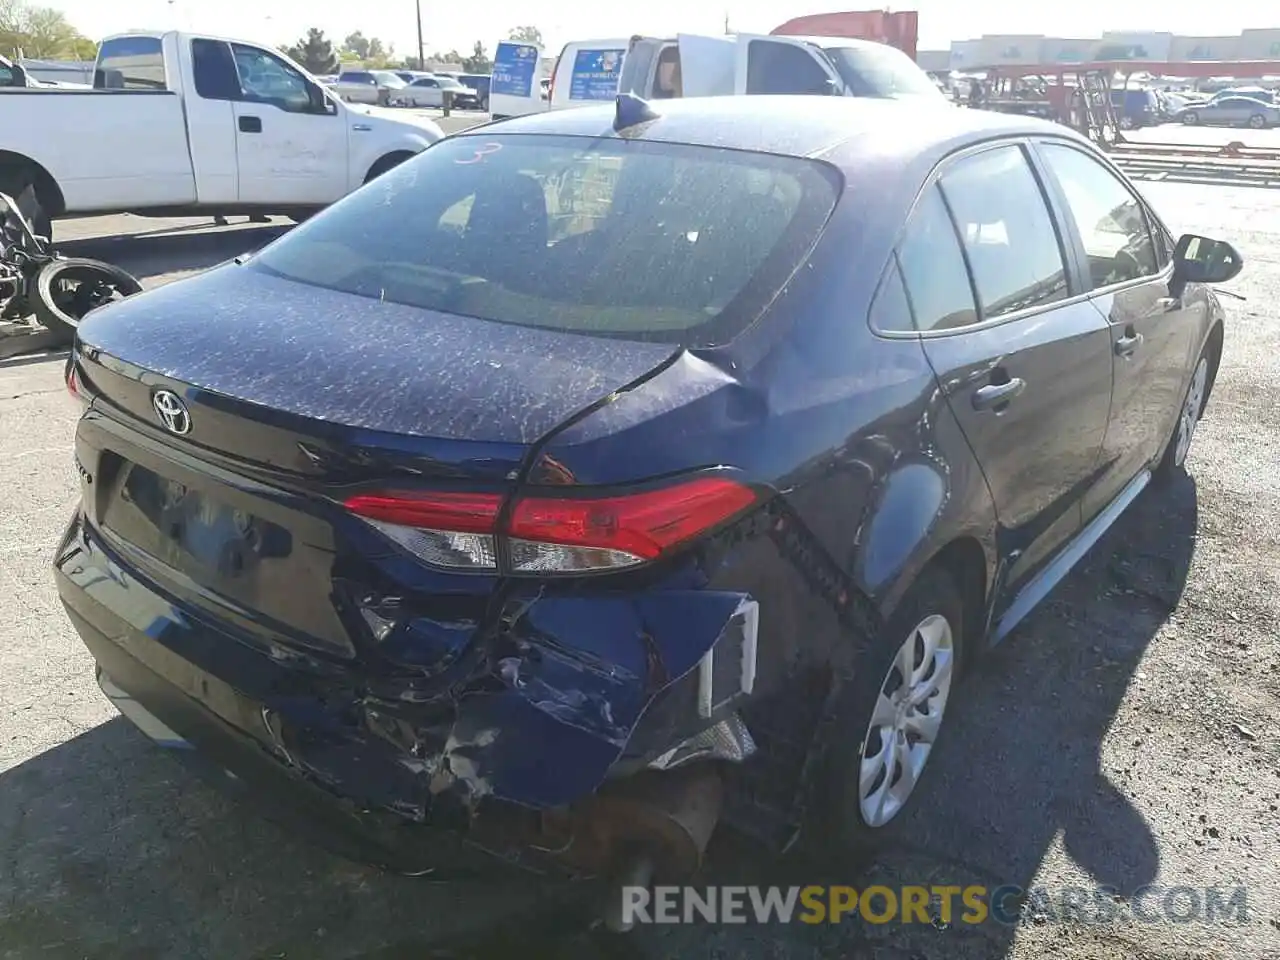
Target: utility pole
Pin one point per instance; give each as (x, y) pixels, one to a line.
(422, 57)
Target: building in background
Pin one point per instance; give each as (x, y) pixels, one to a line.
(995, 50)
(1009, 50)
(1066, 49)
(966, 55)
(1259, 45)
(1132, 45)
(1205, 48)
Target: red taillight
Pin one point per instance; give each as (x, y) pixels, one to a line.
(75, 387)
(554, 534)
(458, 512)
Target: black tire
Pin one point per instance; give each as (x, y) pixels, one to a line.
(19, 183)
(1191, 118)
(1173, 462)
(836, 824)
(389, 162)
(1258, 122)
(62, 310)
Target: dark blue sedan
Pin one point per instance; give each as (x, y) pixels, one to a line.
(599, 475)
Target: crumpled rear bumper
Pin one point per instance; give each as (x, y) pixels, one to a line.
(541, 729)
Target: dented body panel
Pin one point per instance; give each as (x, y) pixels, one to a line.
(218, 579)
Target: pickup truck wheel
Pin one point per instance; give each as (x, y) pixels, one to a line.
(887, 722)
(389, 162)
(20, 185)
(68, 289)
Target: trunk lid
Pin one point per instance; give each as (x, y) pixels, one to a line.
(302, 380)
(292, 394)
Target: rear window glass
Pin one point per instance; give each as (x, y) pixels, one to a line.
(130, 63)
(630, 239)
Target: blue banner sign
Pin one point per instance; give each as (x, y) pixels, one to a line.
(596, 74)
(515, 65)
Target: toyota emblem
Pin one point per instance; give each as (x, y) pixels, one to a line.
(171, 411)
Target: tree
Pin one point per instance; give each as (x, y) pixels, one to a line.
(370, 51)
(42, 32)
(82, 48)
(358, 44)
(479, 61)
(531, 35)
(315, 53)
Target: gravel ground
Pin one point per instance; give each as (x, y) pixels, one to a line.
(1126, 735)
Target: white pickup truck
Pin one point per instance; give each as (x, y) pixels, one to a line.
(179, 124)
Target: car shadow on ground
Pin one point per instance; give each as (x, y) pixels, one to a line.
(116, 851)
(175, 250)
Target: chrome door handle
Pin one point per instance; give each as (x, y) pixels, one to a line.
(997, 394)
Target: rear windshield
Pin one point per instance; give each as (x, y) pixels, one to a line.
(877, 70)
(623, 238)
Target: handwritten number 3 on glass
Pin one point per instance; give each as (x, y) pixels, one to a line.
(482, 151)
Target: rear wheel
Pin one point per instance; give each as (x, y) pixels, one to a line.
(1258, 121)
(889, 719)
(19, 184)
(67, 290)
(1174, 460)
(389, 162)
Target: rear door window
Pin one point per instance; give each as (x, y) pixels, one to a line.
(933, 268)
(1009, 237)
(632, 239)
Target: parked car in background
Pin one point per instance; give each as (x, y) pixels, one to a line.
(1231, 112)
(568, 479)
(197, 125)
(368, 86)
(429, 91)
(1136, 108)
(408, 76)
(1253, 93)
(480, 83)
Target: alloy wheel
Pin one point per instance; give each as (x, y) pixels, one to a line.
(1190, 415)
(906, 720)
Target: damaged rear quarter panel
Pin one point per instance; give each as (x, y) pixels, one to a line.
(575, 675)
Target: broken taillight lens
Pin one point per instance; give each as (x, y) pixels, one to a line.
(551, 535)
(445, 529)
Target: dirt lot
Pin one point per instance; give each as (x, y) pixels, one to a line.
(1128, 734)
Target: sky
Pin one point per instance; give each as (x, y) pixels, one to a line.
(458, 24)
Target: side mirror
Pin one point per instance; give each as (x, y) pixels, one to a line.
(828, 88)
(1201, 260)
(19, 78)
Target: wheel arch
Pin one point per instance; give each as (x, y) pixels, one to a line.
(387, 161)
(47, 190)
(1213, 344)
(969, 566)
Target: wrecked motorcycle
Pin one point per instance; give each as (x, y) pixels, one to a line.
(58, 291)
